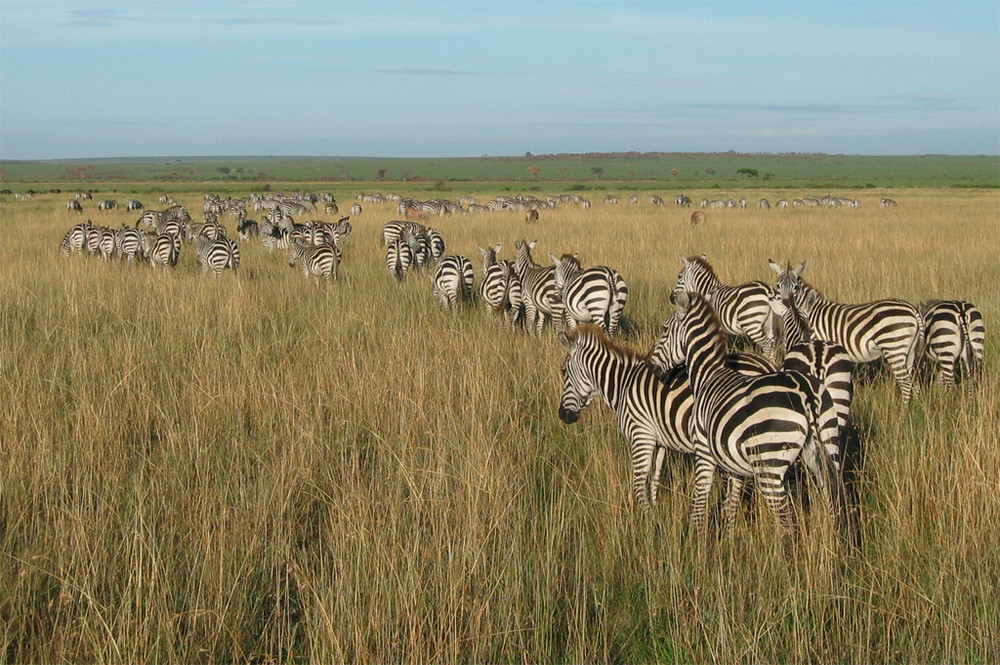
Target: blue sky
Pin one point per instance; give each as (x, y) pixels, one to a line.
(438, 79)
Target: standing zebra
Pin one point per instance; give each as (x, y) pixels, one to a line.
(744, 310)
(748, 426)
(595, 295)
(654, 411)
(955, 340)
(500, 288)
(73, 205)
(321, 260)
(538, 288)
(75, 239)
(889, 329)
(452, 282)
(398, 257)
(217, 255)
(827, 361)
(128, 243)
(162, 249)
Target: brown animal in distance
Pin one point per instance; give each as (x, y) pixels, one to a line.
(531, 216)
(414, 213)
(697, 217)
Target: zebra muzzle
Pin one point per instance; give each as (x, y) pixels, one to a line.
(568, 416)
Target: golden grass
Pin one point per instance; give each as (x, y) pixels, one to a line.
(257, 468)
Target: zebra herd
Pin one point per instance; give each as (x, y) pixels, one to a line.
(748, 416)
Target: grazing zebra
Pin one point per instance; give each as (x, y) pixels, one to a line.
(955, 340)
(763, 204)
(217, 255)
(73, 205)
(419, 247)
(681, 200)
(501, 288)
(248, 228)
(748, 426)
(320, 260)
(355, 208)
(435, 242)
(331, 208)
(133, 204)
(886, 202)
(162, 249)
(889, 329)
(398, 257)
(128, 243)
(595, 295)
(745, 310)
(107, 243)
(107, 205)
(654, 410)
(75, 239)
(452, 282)
(827, 361)
(395, 229)
(538, 288)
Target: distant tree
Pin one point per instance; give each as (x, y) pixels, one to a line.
(381, 174)
(223, 169)
(561, 170)
(750, 173)
(533, 171)
(597, 171)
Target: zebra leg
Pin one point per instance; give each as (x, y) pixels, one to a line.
(659, 457)
(731, 503)
(704, 476)
(946, 373)
(643, 461)
(903, 374)
(772, 487)
(529, 318)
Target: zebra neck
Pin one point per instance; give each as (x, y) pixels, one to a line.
(609, 377)
(706, 359)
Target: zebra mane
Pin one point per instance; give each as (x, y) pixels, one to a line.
(702, 261)
(594, 332)
(713, 318)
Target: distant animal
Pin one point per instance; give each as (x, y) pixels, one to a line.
(531, 216)
(697, 217)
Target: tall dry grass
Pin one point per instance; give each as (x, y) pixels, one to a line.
(257, 468)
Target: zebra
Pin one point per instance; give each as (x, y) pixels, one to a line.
(653, 409)
(955, 340)
(595, 295)
(161, 249)
(355, 209)
(398, 257)
(128, 243)
(133, 204)
(748, 426)
(827, 361)
(890, 329)
(395, 229)
(745, 309)
(107, 243)
(107, 205)
(217, 255)
(452, 282)
(321, 260)
(681, 201)
(538, 288)
(501, 288)
(763, 204)
(75, 239)
(886, 202)
(248, 228)
(435, 242)
(74, 205)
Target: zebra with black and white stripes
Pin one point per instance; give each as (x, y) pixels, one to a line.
(128, 244)
(398, 257)
(654, 410)
(827, 361)
(217, 255)
(595, 295)
(538, 288)
(744, 310)
(890, 329)
(75, 239)
(500, 288)
(748, 426)
(452, 282)
(161, 249)
(955, 341)
(318, 260)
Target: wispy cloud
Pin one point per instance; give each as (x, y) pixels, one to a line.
(419, 71)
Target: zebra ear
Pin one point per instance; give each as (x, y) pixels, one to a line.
(801, 269)
(496, 248)
(554, 260)
(775, 267)
(704, 257)
(531, 245)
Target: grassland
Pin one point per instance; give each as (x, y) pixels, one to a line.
(636, 171)
(257, 468)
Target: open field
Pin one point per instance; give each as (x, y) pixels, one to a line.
(635, 171)
(260, 468)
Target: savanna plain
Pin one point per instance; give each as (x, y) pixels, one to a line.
(263, 468)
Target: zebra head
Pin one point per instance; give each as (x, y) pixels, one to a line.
(789, 282)
(566, 268)
(670, 350)
(579, 387)
(690, 277)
